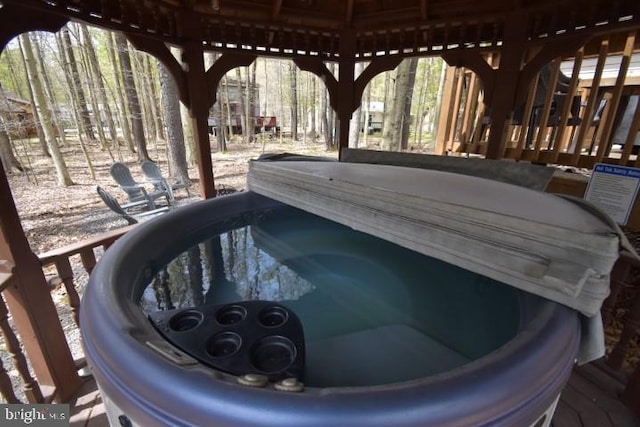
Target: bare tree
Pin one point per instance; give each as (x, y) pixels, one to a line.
(131, 95)
(327, 116)
(117, 78)
(9, 161)
(98, 78)
(397, 120)
(85, 119)
(293, 85)
(175, 136)
(74, 104)
(355, 122)
(37, 121)
(244, 111)
(62, 173)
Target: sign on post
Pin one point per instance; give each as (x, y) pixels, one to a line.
(614, 189)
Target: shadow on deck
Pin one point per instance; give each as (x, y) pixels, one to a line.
(588, 400)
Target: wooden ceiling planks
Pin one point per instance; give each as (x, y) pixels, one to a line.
(382, 27)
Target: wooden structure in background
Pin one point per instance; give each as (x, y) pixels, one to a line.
(489, 37)
(567, 115)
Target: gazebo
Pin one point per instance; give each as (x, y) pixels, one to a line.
(525, 35)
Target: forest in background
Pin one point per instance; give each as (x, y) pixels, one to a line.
(90, 86)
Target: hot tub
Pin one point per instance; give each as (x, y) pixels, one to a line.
(391, 337)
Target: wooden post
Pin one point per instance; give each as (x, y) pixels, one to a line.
(446, 111)
(507, 75)
(197, 89)
(32, 308)
(346, 87)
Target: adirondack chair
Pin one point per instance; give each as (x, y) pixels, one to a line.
(132, 218)
(169, 184)
(135, 191)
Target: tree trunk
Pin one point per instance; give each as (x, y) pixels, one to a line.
(314, 97)
(85, 122)
(74, 105)
(408, 98)
(37, 120)
(217, 108)
(389, 78)
(62, 173)
(58, 127)
(95, 108)
(243, 110)
(117, 78)
(132, 97)
(325, 115)
(355, 122)
(396, 130)
(251, 116)
(175, 137)
(293, 85)
(98, 78)
(9, 161)
(388, 130)
(153, 92)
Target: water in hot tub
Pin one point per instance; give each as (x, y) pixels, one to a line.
(373, 312)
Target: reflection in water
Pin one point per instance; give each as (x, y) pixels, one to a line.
(222, 269)
(372, 312)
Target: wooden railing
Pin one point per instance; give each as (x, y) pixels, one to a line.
(31, 388)
(572, 115)
(61, 260)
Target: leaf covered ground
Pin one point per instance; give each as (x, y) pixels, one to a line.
(53, 216)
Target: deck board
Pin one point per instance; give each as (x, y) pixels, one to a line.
(588, 402)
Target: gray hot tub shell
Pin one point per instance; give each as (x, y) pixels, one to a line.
(153, 384)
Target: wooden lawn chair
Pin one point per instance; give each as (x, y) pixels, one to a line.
(135, 191)
(169, 184)
(132, 218)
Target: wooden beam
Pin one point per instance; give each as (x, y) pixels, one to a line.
(349, 14)
(605, 142)
(477, 63)
(423, 9)
(375, 67)
(547, 53)
(446, 113)
(199, 103)
(508, 74)
(31, 306)
(317, 67)
(346, 87)
(224, 64)
(277, 7)
(12, 17)
(162, 53)
(589, 111)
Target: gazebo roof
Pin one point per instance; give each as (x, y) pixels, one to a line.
(314, 27)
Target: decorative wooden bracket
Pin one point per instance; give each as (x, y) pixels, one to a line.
(225, 63)
(548, 53)
(317, 67)
(375, 67)
(162, 53)
(476, 63)
(14, 23)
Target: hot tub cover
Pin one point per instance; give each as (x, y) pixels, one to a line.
(559, 248)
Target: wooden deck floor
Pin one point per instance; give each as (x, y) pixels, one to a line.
(588, 400)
